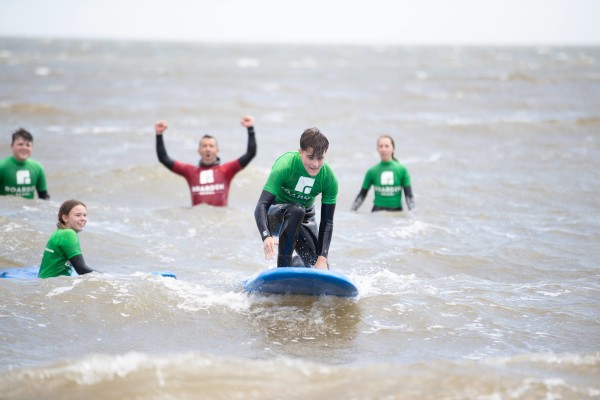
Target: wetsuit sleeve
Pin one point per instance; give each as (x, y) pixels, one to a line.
(44, 195)
(260, 213)
(251, 150)
(161, 152)
(410, 201)
(79, 264)
(359, 199)
(325, 229)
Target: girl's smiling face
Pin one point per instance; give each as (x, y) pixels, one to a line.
(76, 219)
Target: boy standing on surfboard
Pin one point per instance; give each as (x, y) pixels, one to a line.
(286, 205)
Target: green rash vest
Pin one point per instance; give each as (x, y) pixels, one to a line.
(290, 183)
(388, 178)
(21, 178)
(62, 245)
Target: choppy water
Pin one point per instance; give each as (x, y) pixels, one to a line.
(488, 290)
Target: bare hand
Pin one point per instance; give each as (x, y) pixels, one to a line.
(321, 263)
(269, 245)
(247, 121)
(160, 127)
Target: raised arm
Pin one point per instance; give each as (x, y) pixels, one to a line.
(248, 122)
(161, 151)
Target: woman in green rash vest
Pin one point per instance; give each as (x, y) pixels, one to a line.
(389, 178)
(63, 252)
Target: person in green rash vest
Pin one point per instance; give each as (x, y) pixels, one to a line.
(19, 174)
(286, 205)
(63, 252)
(389, 178)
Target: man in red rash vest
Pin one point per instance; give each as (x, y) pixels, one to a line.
(209, 181)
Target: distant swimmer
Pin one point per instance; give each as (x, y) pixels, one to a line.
(63, 252)
(286, 205)
(389, 178)
(19, 174)
(209, 181)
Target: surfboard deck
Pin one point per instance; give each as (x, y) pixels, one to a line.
(302, 281)
(20, 273)
(32, 272)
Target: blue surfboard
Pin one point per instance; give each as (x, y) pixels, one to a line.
(300, 280)
(20, 273)
(32, 272)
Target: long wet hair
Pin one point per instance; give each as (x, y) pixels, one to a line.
(65, 209)
(314, 138)
(393, 144)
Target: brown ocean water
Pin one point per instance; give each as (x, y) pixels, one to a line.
(487, 290)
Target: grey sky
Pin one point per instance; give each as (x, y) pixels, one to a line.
(471, 22)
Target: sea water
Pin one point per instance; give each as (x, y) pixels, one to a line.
(488, 289)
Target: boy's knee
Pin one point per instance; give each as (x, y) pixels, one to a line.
(295, 211)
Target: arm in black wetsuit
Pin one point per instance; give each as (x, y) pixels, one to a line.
(251, 150)
(325, 229)
(410, 201)
(260, 213)
(359, 199)
(44, 195)
(79, 264)
(161, 152)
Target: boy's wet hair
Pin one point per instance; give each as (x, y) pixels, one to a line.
(23, 134)
(313, 138)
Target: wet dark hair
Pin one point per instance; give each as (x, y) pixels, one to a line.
(65, 209)
(313, 138)
(391, 140)
(23, 134)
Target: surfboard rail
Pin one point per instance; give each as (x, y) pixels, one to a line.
(301, 281)
(32, 272)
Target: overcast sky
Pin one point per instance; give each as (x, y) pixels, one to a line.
(454, 22)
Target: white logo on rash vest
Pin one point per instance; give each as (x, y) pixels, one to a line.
(304, 185)
(387, 178)
(206, 176)
(23, 177)
(207, 186)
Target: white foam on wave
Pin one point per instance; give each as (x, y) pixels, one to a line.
(192, 297)
(381, 281)
(403, 231)
(11, 227)
(63, 289)
(248, 62)
(562, 359)
(42, 71)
